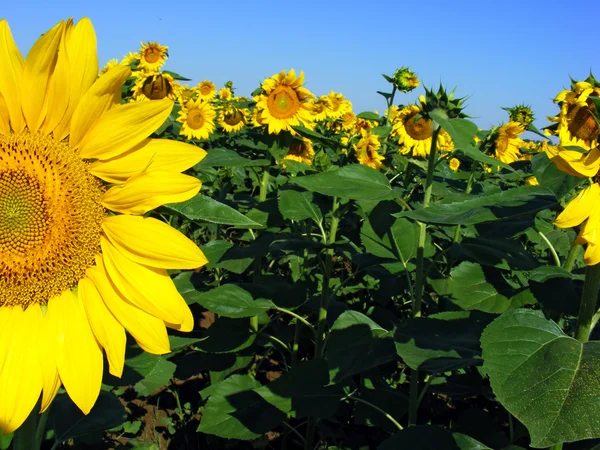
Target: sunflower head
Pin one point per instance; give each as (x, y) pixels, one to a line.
(233, 119)
(197, 118)
(521, 114)
(206, 90)
(367, 151)
(155, 86)
(153, 55)
(454, 164)
(225, 93)
(301, 150)
(186, 94)
(405, 80)
(443, 103)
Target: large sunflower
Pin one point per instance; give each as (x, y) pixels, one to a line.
(285, 102)
(79, 263)
(506, 142)
(153, 55)
(415, 132)
(198, 119)
(576, 125)
(206, 90)
(584, 209)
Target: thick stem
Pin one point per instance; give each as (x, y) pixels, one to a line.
(572, 257)
(589, 300)
(324, 305)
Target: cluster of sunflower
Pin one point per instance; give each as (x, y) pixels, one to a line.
(577, 126)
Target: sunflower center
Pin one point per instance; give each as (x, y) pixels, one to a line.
(419, 129)
(50, 216)
(205, 89)
(581, 122)
(195, 119)
(156, 87)
(234, 117)
(152, 55)
(283, 102)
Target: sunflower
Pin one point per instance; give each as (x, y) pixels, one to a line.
(198, 119)
(576, 125)
(206, 90)
(367, 151)
(301, 151)
(285, 103)
(109, 65)
(186, 94)
(233, 119)
(79, 262)
(153, 55)
(454, 164)
(506, 142)
(339, 105)
(130, 58)
(321, 108)
(415, 132)
(225, 93)
(154, 86)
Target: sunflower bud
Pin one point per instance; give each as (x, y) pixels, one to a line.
(405, 80)
(229, 85)
(521, 114)
(442, 101)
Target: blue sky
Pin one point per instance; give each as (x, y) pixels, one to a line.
(497, 53)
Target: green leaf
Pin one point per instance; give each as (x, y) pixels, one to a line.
(465, 442)
(392, 401)
(550, 176)
(504, 253)
(156, 370)
(232, 301)
(221, 157)
(235, 411)
(368, 115)
(385, 237)
(295, 205)
(355, 181)
(468, 288)
(546, 379)
(421, 437)
(556, 288)
(302, 391)
(441, 342)
(511, 203)
(356, 344)
(227, 335)
(462, 131)
(475, 154)
(206, 209)
(68, 422)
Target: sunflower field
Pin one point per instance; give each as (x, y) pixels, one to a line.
(192, 267)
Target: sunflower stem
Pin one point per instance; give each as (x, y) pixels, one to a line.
(420, 282)
(572, 257)
(589, 300)
(264, 185)
(25, 437)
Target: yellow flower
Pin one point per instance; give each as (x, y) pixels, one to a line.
(454, 164)
(225, 93)
(576, 125)
(206, 90)
(321, 108)
(233, 119)
(507, 143)
(198, 119)
(367, 151)
(154, 86)
(79, 262)
(339, 105)
(531, 181)
(285, 103)
(109, 65)
(186, 93)
(348, 120)
(301, 151)
(130, 58)
(415, 132)
(153, 55)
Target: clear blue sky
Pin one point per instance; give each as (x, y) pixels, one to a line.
(498, 53)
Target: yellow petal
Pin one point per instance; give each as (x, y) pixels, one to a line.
(187, 324)
(83, 69)
(590, 231)
(153, 243)
(46, 349)
(592, 255)
(39, 65)
(58, 85)
(78, 355)
(21, 373)
(101, 96)
(150, 155)
(123, 127)
(148, 331)
(150, 289)
(10, 76)
(581, 165)
(4, 117)
(579, 208)
(107, 329)
(146, 191)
